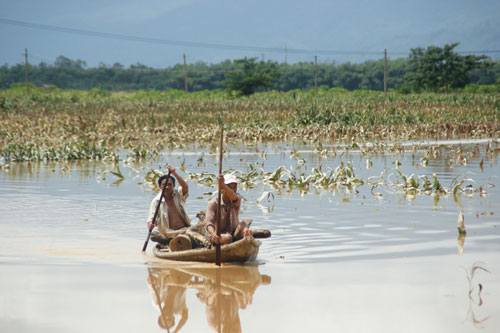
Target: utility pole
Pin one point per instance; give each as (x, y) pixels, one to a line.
(385, 70)
(185, 74)
(316, 75)
(286, 53)
(26, 66)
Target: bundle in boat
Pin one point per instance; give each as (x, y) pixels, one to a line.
(180, 243)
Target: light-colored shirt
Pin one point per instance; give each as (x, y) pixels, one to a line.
(229, 214)
(179, 199)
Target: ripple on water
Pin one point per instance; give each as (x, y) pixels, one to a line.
(307, 229)
(372, 225)
(431, 232)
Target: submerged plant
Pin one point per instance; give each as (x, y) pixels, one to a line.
(151, 179)
(137, 120)
(68, 150)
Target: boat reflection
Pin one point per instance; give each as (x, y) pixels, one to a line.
(224, 291)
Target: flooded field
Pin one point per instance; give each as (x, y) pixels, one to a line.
(363, 240)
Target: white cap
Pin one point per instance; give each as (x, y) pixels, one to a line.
(230, 179)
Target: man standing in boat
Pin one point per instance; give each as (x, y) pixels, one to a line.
(172, 215)
(231, 227)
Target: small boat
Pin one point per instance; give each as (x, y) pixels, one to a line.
(243, 250)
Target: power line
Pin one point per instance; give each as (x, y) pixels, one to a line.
(284, 50)
(182, 43)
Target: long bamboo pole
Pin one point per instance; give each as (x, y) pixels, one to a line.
(219, 212)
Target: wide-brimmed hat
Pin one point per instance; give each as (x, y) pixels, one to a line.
(230, 179)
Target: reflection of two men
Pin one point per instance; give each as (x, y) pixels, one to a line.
(224, 292)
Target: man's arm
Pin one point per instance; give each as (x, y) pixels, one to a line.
(237, 202)
(210, 218)
(226, 189)
(180, 180)
(230, 193)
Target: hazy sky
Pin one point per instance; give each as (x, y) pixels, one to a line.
(212, 31)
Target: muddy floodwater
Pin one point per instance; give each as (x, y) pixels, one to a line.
(361, 256)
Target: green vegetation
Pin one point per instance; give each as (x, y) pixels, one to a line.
(61, 125)
(441, 68)
(428, 69)
(252, 76)
(66, 150)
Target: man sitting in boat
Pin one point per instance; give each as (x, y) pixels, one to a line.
(172, 215)
(231, 227)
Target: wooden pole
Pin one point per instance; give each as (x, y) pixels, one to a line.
(219, 212)
(286, 53)
(385, 70)
(316, 75)
(185, 74)
(26, 68)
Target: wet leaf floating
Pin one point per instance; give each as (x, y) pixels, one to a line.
(151, 178)
(116, 173)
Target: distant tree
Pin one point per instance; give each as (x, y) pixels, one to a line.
(396, 69)
(251, 76)
(62, 61)
(486, 75)
(349, 76)
(432, 69)
(297, 76)
(436, 68)
(117, 65)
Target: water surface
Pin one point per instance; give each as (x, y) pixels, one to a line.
(348, 261)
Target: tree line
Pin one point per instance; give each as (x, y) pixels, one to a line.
(431, 69)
